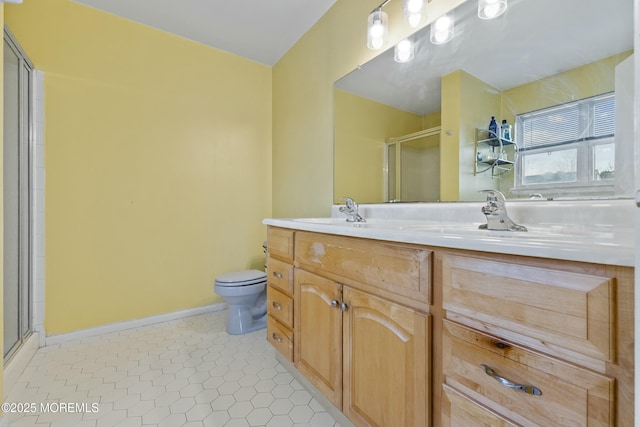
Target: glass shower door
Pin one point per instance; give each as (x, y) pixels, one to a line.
(16, 305)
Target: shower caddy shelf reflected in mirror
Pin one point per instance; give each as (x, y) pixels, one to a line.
(494, 153)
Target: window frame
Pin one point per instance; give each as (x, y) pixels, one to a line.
(585, 183)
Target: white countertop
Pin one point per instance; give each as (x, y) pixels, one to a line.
(597, 232)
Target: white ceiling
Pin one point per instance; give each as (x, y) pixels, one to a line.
(259, 30)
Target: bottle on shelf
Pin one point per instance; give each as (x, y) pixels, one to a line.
(493, 128)
(505, 130)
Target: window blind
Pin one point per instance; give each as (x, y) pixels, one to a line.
(568, 123)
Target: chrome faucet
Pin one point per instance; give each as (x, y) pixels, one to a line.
(496, 213)
(350, 209)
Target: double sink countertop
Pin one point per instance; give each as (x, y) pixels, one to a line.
(596, 231)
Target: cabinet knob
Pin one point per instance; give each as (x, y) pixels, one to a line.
(525, 388)
(276, 305)
(278, 275)
(276, 338)
(343, 307)
(334, 303)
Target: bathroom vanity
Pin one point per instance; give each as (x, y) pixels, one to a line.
(411, 321)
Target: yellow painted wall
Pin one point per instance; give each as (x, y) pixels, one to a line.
(450, 137)
(578, 83)
(432, 120)
(361, 128)
(479, 101)
(467, 103)
(303, 101)
(158, 170)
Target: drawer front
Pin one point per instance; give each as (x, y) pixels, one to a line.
(280, 306)
(280, 243)
(478, 366)
(394, 268)
(557, 309)
(280, 275)
(280, 337)
(460, 411)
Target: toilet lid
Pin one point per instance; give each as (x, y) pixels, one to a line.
(241, 278)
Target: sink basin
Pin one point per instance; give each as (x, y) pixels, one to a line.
(340, 222)
(552, 233)
(534, 233)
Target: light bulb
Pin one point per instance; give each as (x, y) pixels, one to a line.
(414, 6)
(403, 51)
(442, 24)
(440, 36)
(414, 19)
(413, 12)
(377, 29)
(489, 9)
(442, 30)
(376, 43)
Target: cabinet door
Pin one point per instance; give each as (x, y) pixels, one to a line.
(386, 356)
(318, 332)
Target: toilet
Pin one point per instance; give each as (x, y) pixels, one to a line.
(246, 293)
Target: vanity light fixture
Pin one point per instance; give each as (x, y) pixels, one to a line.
(414, 12)
(489, 9)
(377, 28)
(404, 51)
(442, 29)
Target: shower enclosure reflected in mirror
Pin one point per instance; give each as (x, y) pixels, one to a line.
(412, 167)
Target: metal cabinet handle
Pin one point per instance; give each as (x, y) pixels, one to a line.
(335, 304)
(278, 275)
(276, 338)
(276, 305)
(525, 388)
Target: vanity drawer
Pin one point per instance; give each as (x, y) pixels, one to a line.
(460, 411)
(280, 337)
(382, 268)
(550, 309)
(280, 275)
(569, 395)
(280, 242)
(280, 306)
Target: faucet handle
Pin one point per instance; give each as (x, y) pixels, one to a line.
(350, 203)
(494, 195)
(351, 209)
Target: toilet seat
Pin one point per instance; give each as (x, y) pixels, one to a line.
(241, 278)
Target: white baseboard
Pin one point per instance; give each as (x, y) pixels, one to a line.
(130, 324)
(18, 363)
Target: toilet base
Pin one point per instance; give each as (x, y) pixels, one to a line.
(241, 321)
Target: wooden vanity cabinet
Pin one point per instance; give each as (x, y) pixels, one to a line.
(388, 331)
(367, 354)
(280, 306)
(565, 328)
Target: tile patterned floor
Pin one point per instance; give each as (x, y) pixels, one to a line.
(187, 372)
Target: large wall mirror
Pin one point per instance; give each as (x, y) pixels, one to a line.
(560, 73)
